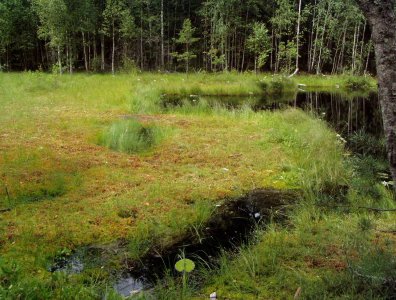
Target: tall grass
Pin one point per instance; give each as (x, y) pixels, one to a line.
(130, 136)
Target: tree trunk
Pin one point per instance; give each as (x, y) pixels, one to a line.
(162, 36)
(298, 34)
(84, 51)
(59, 61)
(102, 52)
(113, 50)
(141, 38)
(381, 16)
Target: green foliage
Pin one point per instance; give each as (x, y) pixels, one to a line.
(185, 265)
(357, 84)
(280, 85)
(367, 144)
(54, 19)
(129, 66)
(286, 55)
(375, 270)
(130, 136)
(259, 44)
(186, 37)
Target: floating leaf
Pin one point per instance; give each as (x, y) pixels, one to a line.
(185, 265)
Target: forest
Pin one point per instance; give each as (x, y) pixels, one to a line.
(316, 36)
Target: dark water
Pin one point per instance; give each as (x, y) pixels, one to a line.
(231, 226)
(346, 113)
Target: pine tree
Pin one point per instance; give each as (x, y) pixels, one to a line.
(186, 37)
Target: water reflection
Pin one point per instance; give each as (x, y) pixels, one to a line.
(346, 113)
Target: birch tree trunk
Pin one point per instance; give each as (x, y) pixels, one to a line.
(102, 52)
(84, 51)
(59, 61)
(113, 50)
(162, 36)
(298, 34)
(381, 16)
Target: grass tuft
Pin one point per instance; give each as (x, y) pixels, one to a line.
(130, 136)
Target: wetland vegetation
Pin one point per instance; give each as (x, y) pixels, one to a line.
(96, 166)
(265, 171)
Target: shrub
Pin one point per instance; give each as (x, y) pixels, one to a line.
(367, 144)
(357, 84)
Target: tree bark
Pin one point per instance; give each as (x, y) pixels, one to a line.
(84, 51)
(102, 52)
(162, 37)
(381, 16)
(59, 61)
(298, 34)
(113, 49)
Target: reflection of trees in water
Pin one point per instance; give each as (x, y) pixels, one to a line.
(346, 115)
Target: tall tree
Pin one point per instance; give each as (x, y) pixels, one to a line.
(54, 24)
(186, 37)
(259, 44)
(382, 17)
(298, 34)
(117, 19)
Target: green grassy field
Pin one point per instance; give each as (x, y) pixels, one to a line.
(94, 159)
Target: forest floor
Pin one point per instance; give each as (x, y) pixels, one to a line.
(62, 189)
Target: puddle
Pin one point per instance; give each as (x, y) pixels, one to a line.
(232, 225)
(129, 286)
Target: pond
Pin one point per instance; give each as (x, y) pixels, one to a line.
(346, 113)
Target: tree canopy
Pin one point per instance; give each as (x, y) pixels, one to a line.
(319, 36)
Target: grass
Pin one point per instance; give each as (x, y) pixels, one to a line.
(130, 136)
(67, 192)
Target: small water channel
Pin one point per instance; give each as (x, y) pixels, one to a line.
(231, 225)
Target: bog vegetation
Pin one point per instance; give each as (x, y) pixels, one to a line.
(99, 171)
(98, 161)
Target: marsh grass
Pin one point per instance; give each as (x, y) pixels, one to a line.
(130, 136)
(48, 146)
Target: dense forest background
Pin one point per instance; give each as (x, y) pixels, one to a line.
(317, 36)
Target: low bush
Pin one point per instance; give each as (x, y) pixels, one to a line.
(357, 84)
